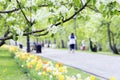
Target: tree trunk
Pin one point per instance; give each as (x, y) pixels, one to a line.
(54, 40)
(76, 45)
(112, 45)
(49, 42)
(28, 43)
(62, 44)
(16, 43)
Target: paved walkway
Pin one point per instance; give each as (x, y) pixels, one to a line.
(101, 65)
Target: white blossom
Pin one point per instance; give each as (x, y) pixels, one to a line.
(51, 77)
(10, 19)
(88, 78)
(53, 29)
(13, 5)
(83, 1)
(31, 18)
(53, 1)
(78, 75)
(18, 30)
(73, 78)
(3, 1)
(33, 28)
(70, 1)
(105, 2)
(22, 65)
(39, 73)
(63, 10)
(97, 4)
(42, 14)
(30, 3)
(118, 1)
(4, 15)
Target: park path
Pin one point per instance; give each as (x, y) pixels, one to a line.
(103, 66)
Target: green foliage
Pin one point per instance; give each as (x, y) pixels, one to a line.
(52, 35)
(77, 4)
(102, 6)
(49, 12)
(94, 2)
(15, 37)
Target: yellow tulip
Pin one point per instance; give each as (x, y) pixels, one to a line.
(59, 64)
(44, 73)
(29, 65)
(48, 69)
(112, 78)
(92, 77)
(38, 66)
(60, 77)
(56, 65)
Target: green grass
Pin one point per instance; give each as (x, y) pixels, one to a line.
(9, 69)
(99, 52)
(73, 71)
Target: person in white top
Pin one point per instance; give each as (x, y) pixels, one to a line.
(72, 42)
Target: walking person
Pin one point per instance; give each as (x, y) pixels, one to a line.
(72, 42)
(83, 45)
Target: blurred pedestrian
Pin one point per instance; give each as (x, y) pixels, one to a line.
(72, 42)
(83, 47)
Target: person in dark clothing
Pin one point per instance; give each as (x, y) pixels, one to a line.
(38, 48)
(93, 48)
(72, 42)
(20, 45)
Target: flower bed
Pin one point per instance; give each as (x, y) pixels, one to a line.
(40, 69)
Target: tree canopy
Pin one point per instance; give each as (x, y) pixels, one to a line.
(44, 17)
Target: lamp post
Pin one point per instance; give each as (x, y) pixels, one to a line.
(75, 30)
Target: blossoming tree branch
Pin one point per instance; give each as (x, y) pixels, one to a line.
(27, 18)
(40, 17)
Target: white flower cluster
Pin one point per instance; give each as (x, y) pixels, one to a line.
(33, 28)
(63, 10)
(53, 1)
(84, 13)
(42, 14)
(30, 3)
(3, 1)
(32, 17)
(53, 29)
(10, 19)
(118, 1)
(83, 1)
(105, 2)
(96, 17)
(70, 1)
(18, 30)
(12, 5)
(4, 15)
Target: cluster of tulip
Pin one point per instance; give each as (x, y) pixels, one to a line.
(41, 69)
